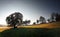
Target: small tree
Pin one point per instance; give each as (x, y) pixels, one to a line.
(48, 20)
(34, 23)
(53, 15)
(26, 22)
(37, 21)
(57, 17)
(42, 19)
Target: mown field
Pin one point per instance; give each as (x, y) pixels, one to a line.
(39, 30)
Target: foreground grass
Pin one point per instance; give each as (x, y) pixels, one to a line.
(29, 32)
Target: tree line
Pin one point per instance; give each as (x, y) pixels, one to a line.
(16, 19)
(54, 17)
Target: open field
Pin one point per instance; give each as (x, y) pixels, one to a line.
(4, 28)
(31, 32)
(48, 25)
(38, 30)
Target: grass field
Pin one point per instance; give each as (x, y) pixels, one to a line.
(31, 32)
(48, 25)
(38, 30)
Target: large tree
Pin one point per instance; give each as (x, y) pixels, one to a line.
(14, 19)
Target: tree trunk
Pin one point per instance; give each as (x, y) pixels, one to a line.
(15, 26)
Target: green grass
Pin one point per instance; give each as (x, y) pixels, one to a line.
(29, 32)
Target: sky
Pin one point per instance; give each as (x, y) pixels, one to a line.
(31, 9)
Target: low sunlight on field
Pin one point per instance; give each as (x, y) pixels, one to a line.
(4, 28)
(48, 25)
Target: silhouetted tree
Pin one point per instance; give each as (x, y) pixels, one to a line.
(48, 20)
(26, 22)
(14, 19)
(29, 21)
(42, 19)
(34, 23)
(53, 17)
(37, 21)
(57, 17)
